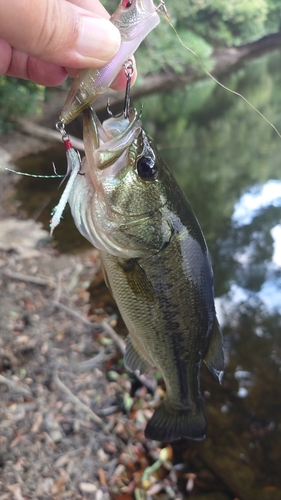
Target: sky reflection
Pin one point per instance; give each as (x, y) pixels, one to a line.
(247, 207)
(256, 198)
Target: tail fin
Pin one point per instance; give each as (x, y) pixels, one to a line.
(167, 424)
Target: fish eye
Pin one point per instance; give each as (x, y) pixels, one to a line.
(146, 168)
(127, 3)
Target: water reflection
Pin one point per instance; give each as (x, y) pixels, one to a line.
(40, 196)
(219, 149)
(245, 437)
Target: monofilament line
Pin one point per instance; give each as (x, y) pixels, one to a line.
(56, 176)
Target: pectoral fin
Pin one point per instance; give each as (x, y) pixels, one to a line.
(137, 279)
(214, 359)
(133, 360)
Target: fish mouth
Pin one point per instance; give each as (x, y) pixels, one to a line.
(107, 144)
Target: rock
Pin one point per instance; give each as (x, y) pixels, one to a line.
(22, 236)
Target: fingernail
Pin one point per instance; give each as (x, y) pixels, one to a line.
(99, 39)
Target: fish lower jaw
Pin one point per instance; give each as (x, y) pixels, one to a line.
(102, 235)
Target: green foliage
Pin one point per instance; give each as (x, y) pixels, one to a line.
(273, 22)
(204, 24)
(162, 49)
(17, 98)
(232, 21)
(229, 22)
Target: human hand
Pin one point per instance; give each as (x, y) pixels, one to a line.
(45, 40)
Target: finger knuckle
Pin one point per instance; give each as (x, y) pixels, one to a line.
(58, 32)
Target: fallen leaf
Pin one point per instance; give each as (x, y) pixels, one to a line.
(16, 491)
(38, 421)
(154, 489)
(59, 486)
(102, 477)
(87, 487)
(124, 496)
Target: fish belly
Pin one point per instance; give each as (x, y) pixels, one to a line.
(169, 315)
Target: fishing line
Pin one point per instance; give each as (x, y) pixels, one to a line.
(56, 176)
(219, 83)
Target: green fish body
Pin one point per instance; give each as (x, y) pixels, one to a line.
(156, 264)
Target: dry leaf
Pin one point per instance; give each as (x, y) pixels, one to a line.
(154, 489)
(87, 487)
(38, 421)
(15, 489)
(124, 496)
(102, 477)
(59, 486)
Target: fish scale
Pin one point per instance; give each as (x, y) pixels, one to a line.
(156, 265)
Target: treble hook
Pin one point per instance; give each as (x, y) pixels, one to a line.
(129, 71)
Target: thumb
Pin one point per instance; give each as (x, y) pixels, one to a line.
(59, 32)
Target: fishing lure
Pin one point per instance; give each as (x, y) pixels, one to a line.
(134, 19)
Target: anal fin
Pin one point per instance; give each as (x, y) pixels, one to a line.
(133, 360)
(214, 358)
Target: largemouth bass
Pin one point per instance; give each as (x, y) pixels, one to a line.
(134, 19)
(156, 264)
